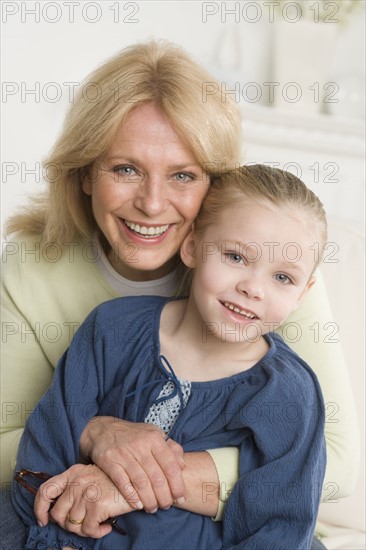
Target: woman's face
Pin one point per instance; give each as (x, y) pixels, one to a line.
(146, 194)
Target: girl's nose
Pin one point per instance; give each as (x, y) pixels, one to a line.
(252, 287)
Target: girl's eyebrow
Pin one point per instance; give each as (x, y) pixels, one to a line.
(240, 247)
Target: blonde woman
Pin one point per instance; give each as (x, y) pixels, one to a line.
(126, 179)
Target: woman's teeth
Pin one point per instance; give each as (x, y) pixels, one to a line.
(147, 231)
(238, 310)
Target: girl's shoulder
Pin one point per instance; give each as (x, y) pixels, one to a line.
(286, 370)
(131, 307)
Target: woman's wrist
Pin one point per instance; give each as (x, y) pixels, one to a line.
(203, 475)
(90, 435)
(202, 484)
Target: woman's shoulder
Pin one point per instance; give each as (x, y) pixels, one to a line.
(25, 254)
(23, 244)
(61, 284)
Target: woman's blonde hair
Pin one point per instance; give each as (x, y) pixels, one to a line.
(157, 72)
(260, 183)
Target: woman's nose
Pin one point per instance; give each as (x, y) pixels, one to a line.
(151, 196)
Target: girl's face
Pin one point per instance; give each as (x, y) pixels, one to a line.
(251, 269)
(148, 190)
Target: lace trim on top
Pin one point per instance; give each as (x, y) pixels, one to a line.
(165, 413)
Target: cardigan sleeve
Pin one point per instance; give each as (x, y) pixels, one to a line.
(275, 502)
(26, 372)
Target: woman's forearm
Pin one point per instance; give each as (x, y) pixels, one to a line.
(209, 479)
(202, 484)
(199, 482)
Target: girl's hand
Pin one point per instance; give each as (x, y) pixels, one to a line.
(85, 495)
(145, 467)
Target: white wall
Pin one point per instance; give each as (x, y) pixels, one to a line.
(48, 44)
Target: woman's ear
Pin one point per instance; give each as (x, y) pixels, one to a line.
(87, 186)
(188, 250)
(90, 175)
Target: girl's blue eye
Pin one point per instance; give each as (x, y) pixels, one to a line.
(282, 278)
(234, 257)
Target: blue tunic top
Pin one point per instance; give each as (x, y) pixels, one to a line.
(273, 412)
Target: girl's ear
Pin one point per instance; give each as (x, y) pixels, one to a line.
(188, 250)
(310, 283)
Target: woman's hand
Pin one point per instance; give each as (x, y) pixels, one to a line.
(86, 498)
(146, 469)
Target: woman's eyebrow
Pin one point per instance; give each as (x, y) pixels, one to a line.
(125, 158)
(132, 160)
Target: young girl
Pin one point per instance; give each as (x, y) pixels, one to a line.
(209, 371)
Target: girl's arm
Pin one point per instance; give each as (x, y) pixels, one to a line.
(275, 502)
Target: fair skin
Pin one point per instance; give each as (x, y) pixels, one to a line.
(264, 290)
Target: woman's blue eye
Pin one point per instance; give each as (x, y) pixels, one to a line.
(125, 173)
(124, 170)
(183, 177)
(282, 278)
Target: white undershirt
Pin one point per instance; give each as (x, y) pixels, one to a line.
(165, 286)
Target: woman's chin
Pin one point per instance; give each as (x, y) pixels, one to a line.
(137, 266)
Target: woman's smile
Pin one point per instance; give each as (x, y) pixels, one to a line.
(147, 231)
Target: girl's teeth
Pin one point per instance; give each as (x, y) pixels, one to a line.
(237, 310)
(147, 231)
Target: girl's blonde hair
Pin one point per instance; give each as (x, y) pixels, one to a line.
(157, 72)
(261, 183)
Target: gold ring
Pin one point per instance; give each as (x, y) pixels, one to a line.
(74, 521)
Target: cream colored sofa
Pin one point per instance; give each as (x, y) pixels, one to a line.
(343, 522)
